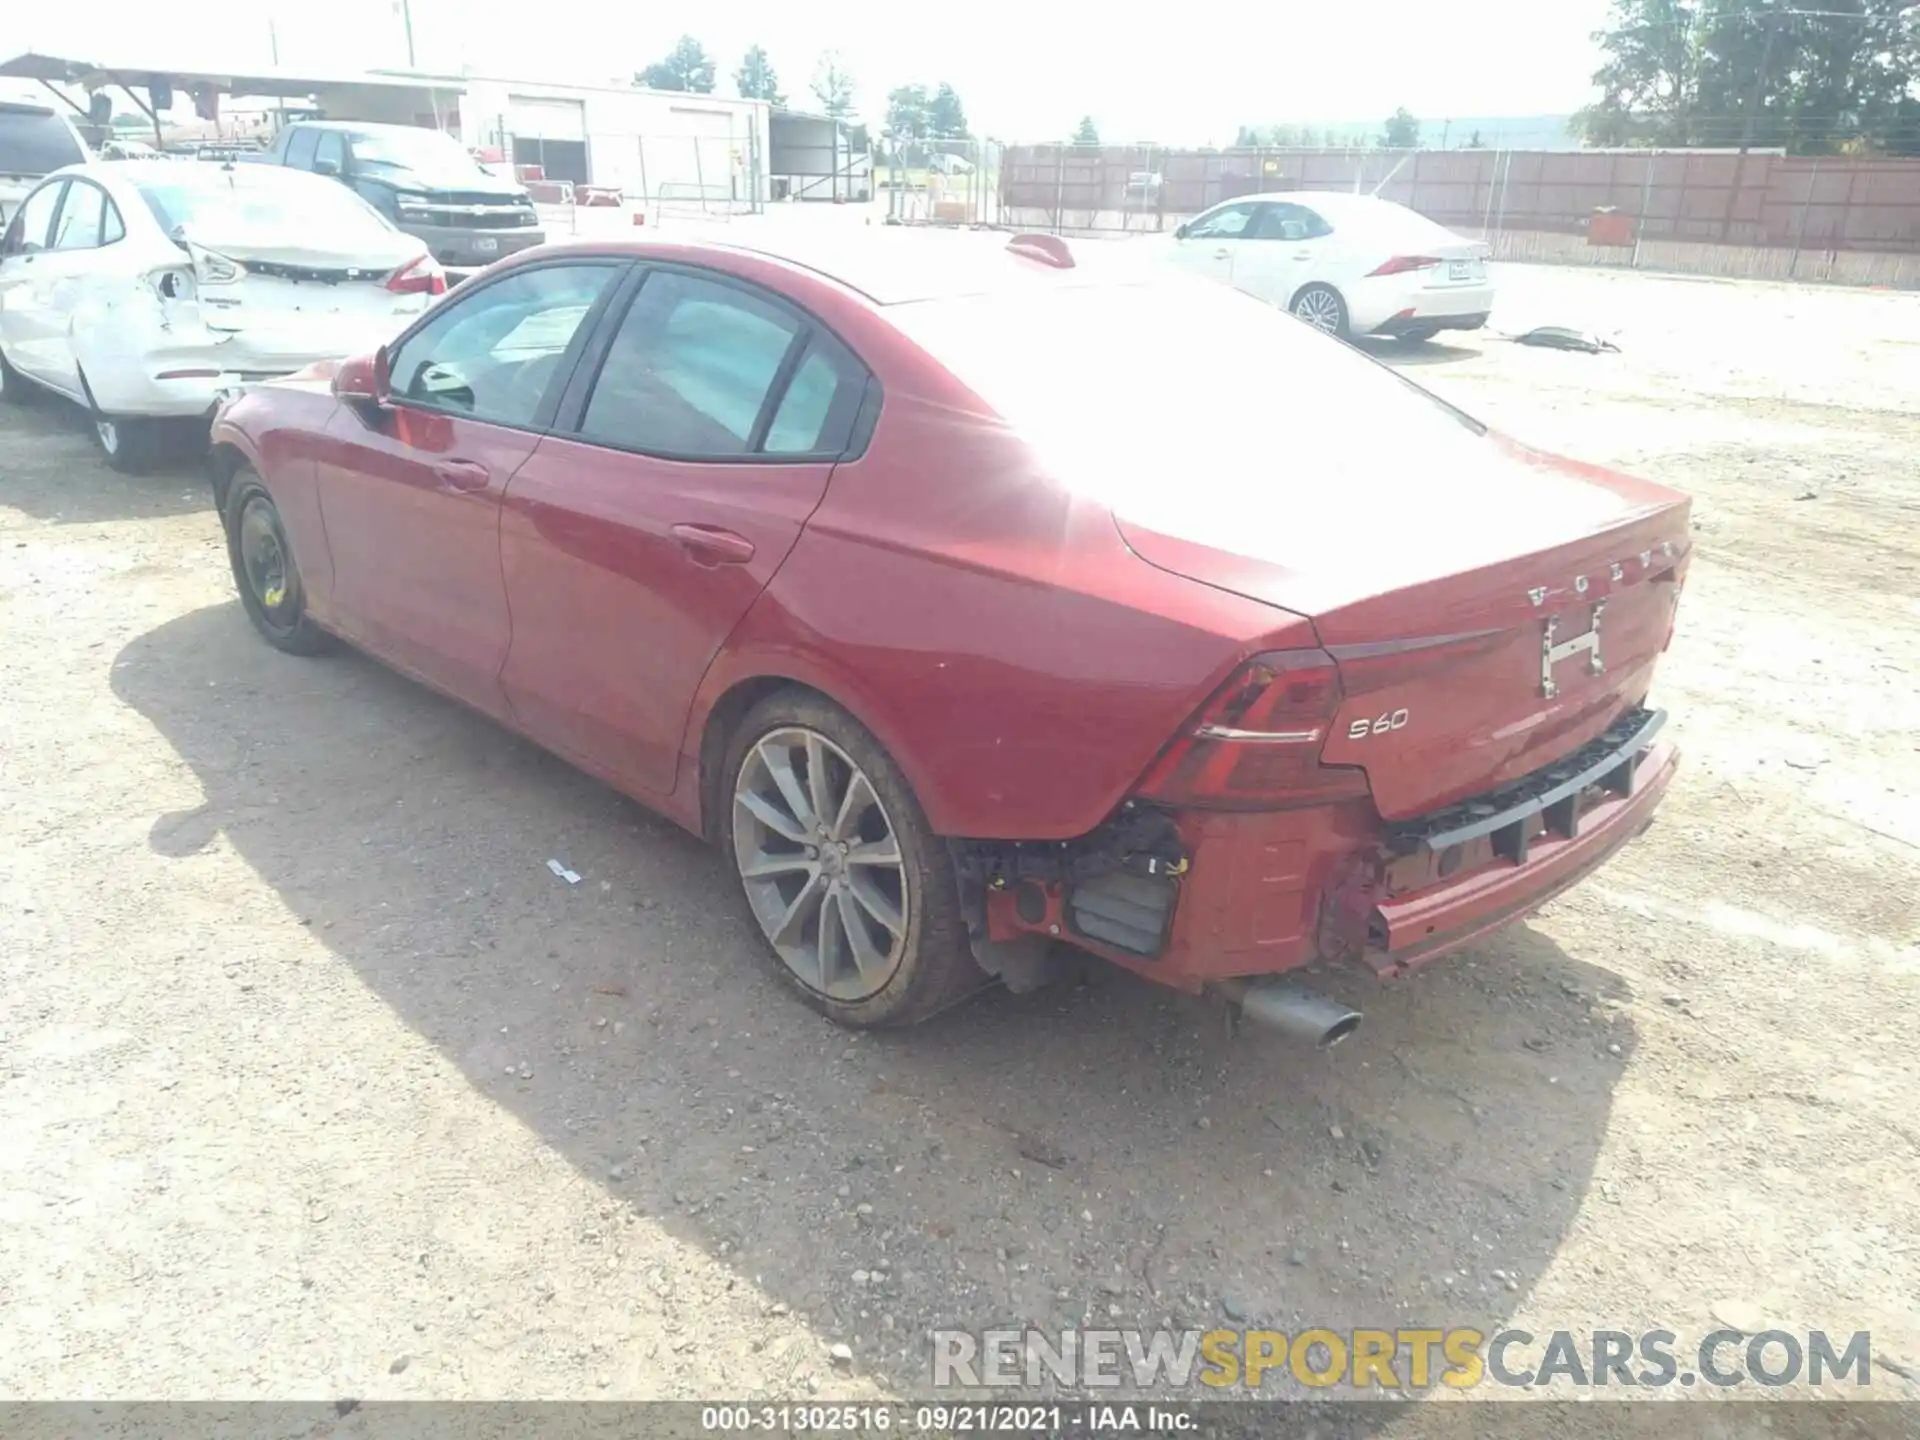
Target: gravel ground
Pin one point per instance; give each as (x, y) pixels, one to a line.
(315, 1082)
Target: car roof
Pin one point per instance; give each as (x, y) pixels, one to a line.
(161, 169)
(1331, 201)
(900, 265)
(365, 127)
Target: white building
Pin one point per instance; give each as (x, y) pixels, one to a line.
(654, 144)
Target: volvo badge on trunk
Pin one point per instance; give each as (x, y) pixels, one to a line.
(1552, 654)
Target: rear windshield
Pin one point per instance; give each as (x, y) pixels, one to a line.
(34, 142)
(1142, 394)
(195, 197)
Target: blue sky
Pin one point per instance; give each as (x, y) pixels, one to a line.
(1025, 70)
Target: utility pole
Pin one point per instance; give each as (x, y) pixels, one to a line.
(406, 19)
(1750, 115)
(1750, 111)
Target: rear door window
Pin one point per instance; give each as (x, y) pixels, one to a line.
(1286, 221)
(300, 149)
(81, 218)
(332, 151)
(691, 370)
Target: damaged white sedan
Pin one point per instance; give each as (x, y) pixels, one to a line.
(144, 290)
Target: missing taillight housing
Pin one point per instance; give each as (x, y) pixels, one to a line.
(420, 276)
(1256, 744)
(1402, 264)
(174, 284)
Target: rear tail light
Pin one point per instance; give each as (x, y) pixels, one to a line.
(1256, 744)
(419, 277)
(1401, 264)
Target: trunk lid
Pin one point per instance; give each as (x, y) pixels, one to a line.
(317, 298)
(1487, 620)
(1241, 449)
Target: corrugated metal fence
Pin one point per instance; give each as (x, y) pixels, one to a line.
(1765, 200)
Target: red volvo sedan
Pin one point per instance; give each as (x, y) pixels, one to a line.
(970, 599)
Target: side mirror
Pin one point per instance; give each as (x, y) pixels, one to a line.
(328, 168)
(1180, 232)
(363, 379)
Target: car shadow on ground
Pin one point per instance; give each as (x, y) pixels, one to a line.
(1425, 352)
(60, 442)
(1097, 1153)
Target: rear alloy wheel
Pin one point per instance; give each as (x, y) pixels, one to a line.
(855, 896)
(263, 569)
(1321, 307)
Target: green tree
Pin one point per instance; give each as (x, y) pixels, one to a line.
(1474, 142)
(1649, 83)
(1088, 133)
(946, 116)
(909, 113)
(755, 79)
(1812, 79)
(1402, 132)
(687, 67)
(833, 84)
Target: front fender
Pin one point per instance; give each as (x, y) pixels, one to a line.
(274, 430)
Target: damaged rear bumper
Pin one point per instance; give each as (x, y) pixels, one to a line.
(1194, 898)
(1410, 930)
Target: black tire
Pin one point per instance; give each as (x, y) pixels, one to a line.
(264, 570)
(1322, 307)
(130, 444)
(935, 966)
(14, 390)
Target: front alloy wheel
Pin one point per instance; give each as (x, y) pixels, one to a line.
(821, 864)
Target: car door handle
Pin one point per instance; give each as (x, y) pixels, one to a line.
(1223, 254)
(462, 476)
(1303, 254)
(708, 546)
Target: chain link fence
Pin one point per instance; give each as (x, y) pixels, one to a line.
(938, 182)
(1762, 200)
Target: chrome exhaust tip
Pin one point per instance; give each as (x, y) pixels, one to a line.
(1292, 1010)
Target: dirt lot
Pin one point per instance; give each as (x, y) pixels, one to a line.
(315, 1082)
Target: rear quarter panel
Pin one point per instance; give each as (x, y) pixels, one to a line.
(993, 631)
